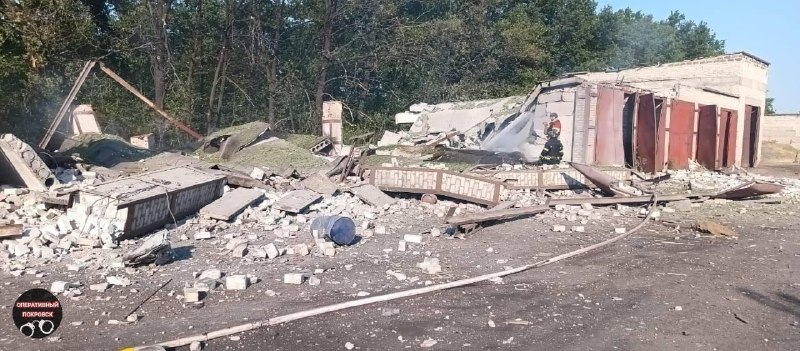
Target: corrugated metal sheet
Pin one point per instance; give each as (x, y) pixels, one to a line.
(681, 132)
(707, 137)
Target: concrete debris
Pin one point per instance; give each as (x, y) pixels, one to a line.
(191, 295)
(293, 278)
(58, 287)
(100, 287)
(413, 238)
(155, 249)
(119, 281)
(430, 265)
(559, 228)
(211, 274)
(236, 282)
(231, 204)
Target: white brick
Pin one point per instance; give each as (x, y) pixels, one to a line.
(272, 250)
(191, 295)
(559, 228)
(236, 282)
(413, 238)
(293, 278)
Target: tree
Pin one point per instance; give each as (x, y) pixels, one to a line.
(769, 108)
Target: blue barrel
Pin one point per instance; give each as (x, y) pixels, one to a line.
(341, 230)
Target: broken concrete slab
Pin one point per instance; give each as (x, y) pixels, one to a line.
(231, 204)
(139, 204)
(389, 138)
(21, 166)
(297, 201)
(371, 195)
(320, 184)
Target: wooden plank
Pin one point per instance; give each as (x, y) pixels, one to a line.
(231, 204)
(150, 104)
(10, 231)
(619, 200)
(87, 67)
(296, 201)
(370, 194)
(320, 184)
(497, 215)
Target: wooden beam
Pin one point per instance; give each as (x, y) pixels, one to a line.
(149, 103)
(87, 67)
(10, 231)
(497, 215)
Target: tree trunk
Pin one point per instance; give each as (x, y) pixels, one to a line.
(272, 79)
(197, 53)
(158, 56)
(323, 61)
(221, 66)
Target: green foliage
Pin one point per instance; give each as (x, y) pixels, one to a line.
(769, 109)
(227, 62)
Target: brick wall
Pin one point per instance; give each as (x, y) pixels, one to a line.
(737, 74)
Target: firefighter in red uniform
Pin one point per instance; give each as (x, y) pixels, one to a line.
(553, 150)
(554, 126)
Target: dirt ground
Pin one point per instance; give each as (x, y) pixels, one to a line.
(666, 287)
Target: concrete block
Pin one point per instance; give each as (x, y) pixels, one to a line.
(578, 229)
(257, 252)
(272, 250)
(301, 249)
(211, 274)
(100, 287)
(330, 252)
(620, 230)
(559, 228)
(236, 282)
(413, 238)
(206, 284)
(240, 250)
(293, 278)
(402, 245)
(191, 295)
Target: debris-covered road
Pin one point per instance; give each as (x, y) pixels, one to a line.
(660, 289)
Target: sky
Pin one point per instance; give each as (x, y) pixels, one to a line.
(774, 35)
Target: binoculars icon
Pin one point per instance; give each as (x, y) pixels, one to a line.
(44, 325)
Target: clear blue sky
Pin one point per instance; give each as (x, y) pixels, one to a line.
(769, 29)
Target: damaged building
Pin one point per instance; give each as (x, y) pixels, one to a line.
(650, 118)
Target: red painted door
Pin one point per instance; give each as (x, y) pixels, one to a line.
(681, 130)
(727, 137)
(609, 149)
(646, 132)
(707, 137)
